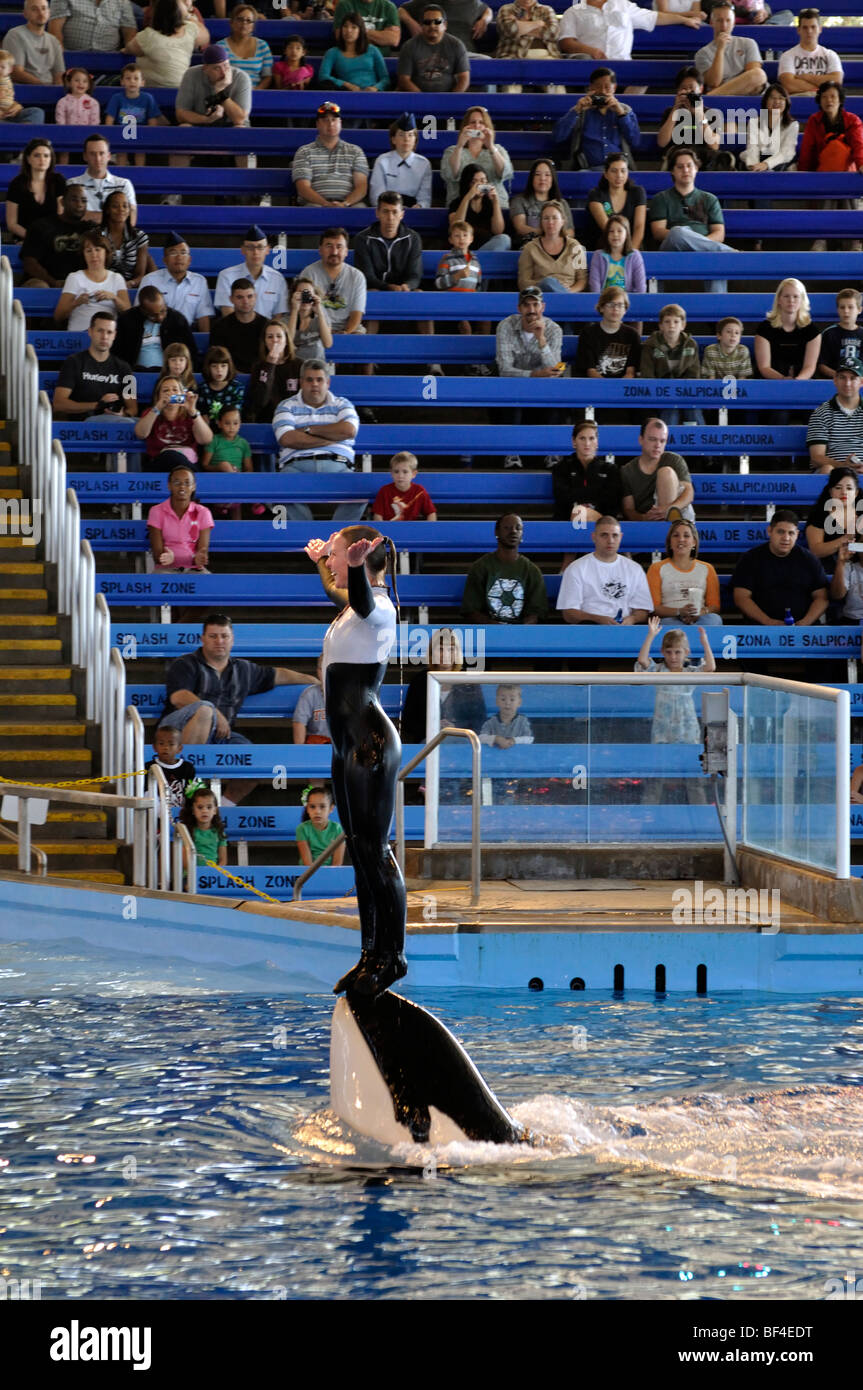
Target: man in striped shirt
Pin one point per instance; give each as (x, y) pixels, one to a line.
(835, 433)
(329, 172)
(92, 26)
(315, 432)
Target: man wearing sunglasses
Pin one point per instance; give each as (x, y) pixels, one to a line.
(434, 61)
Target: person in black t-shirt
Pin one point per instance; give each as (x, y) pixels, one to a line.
(52, 246)
(843, 341)
(609, 348)
(240, 331)
(585, 486)
(177, 770)
(780, 578)
(95, 382)
(787, 342)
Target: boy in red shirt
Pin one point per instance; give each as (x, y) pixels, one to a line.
(404, 499)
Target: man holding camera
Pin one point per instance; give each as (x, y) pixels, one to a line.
(94, 383)
(598, 124)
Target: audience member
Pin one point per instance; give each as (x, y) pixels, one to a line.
(434, 61)
(308, 321)
(37, 54)
(97, 183)
(846, 585)
(240, 330)
(92, 26)
(342, 286)
(585, 485)
(541, 187)
(773, 146)
(598, 125)
(229, 452)
(128, 246)
(381, 19)
(177, 770)
(476, 145)
(506, 728)
(685, 123)
(77, 107)
(220, 388)
(292, 73)
(91, 288)
(95, 382)
(330, 172)
(675, 719)
(404, 499)
(832, 143)
(614, 264)
(672, 354)
(729, 66)
(145, 331)
(609, 348)
(213, 93)
(526, 29)
(805, 67)
(183, 289)
(843, 341)
(603, 29)
(10, 108)
(316, 831)
(505, 587)
(460, 271)
(554, 260)
(309, 724)
(389, 255)
(36, 190)
(172, 426)
(246, 52)
(315, 432)
(527, 343)
(52, 248)
(728, 356)
(164, 49)
(478, 204)
(686, 218)
(656, 485)
(178, 364)
(461, 706)
(835, 433)
(780, 582)
(616, 193)
(467, 20)
(132, 108)
(353, 65)
(787, 342)
(604, 586)
(684, 589)
(835, 516)
(275, 375)
(179, 529)
(401, 169)
(271, 296)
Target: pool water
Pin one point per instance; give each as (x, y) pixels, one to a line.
(164, 1133)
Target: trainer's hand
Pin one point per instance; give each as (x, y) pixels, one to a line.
(357, 552)
(317, 550)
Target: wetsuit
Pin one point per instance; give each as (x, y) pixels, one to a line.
(366, 756)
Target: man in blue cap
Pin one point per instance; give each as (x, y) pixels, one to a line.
(212, 94)
(401, 169)
(182, 288)
(271, 296)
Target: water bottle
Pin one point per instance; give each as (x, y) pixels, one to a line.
(618, 617)
(789, 619)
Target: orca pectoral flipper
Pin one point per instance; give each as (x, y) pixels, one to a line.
(396, 1074)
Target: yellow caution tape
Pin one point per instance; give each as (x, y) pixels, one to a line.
(78, 782)
(211, 865)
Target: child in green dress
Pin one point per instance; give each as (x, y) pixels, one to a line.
(200, 815)
(315, 830)
(228, 453)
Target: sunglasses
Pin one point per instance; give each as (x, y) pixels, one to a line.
(427, 22)
(329, 109)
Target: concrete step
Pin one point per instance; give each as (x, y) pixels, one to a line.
(37, 625)
(38, 700)
(11, 493)
(76, 824)
(48, 733)
(24, 593)
(31, 680)
(94, 850)
(39, 651)
(103, 876)
(41, 765)
(22, 543)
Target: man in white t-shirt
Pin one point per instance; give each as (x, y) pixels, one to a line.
(603, 29)
(729, 66)
(605, 587)
(804, 68)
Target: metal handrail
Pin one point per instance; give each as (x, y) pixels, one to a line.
(318, 863)
(183, 840)
(38, 854)
(475, 846)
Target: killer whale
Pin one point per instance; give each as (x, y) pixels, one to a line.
(397, 1074)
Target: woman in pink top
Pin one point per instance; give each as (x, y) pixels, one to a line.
(180, 527)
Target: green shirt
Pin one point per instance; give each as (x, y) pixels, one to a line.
(317, 840)
(232, 451)
(698, 210)
(508, 593)
(377, 14)
(208, 843)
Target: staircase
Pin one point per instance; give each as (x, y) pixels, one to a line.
(42, 735)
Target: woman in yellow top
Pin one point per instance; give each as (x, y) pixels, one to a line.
(684, 589)
(555, 260)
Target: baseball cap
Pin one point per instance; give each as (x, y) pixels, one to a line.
(530, 292)
(329, 108)
(216, 53)
(851, 364)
